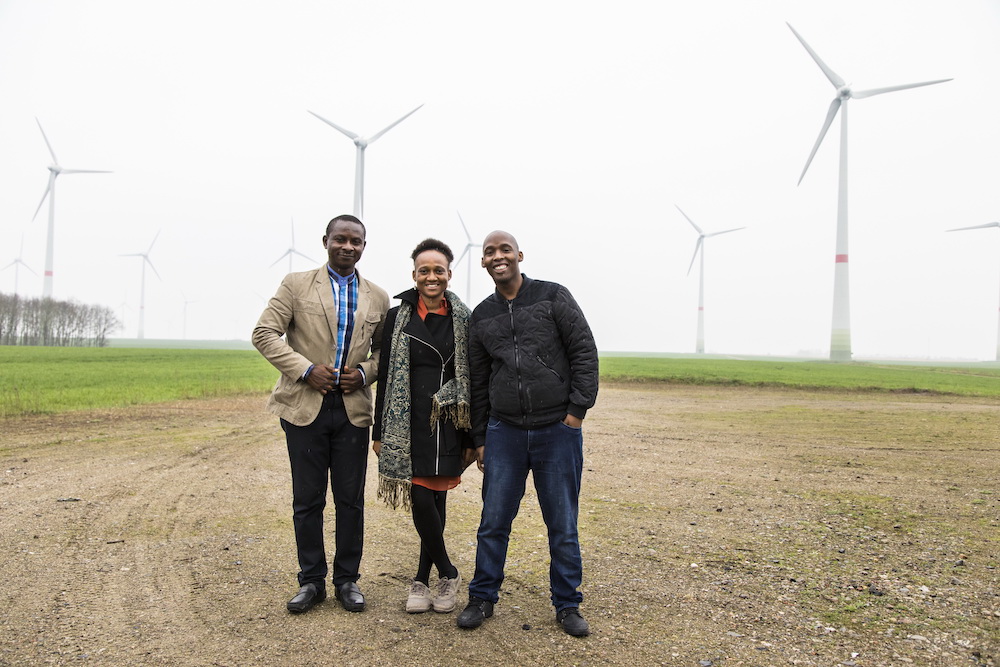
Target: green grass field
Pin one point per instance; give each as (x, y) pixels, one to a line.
(48, 380)
(967, 379)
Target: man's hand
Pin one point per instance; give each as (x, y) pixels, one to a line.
(574, 422)
(479, 458)
(322, 378)
(351, 379)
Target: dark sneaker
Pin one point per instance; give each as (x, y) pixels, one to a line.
(477, 611)
(571, 621)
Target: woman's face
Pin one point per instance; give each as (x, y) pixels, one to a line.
(431, 274)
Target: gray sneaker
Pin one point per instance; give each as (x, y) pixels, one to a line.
(419, 600)
(447, 591)
(571, 621)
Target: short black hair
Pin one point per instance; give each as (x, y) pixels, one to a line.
(346, 217)
(433, 244)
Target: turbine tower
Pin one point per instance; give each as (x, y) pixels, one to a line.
(17, 264)
(469, 245)
(840, 336)
(359, 166)
(142, 284)
(50, 191)
(291, 251)
(988, 224)
(699, 247)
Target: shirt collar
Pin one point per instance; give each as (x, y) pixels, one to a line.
(341, 280)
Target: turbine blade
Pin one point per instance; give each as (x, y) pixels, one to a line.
(146, 259)
(830, 115)
(697, 247)
(293, 231)
(833, 77)
(296, 252)
(861, 94)
(726, 231)
(465, 229)
(462, 256)
(349, 134)
(372, 139)
(48, 188)
(286, 254)
(690, 220)
(51, 152)
(85, 171)
(154, 241)
(988, 224)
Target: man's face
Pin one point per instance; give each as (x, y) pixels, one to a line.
(344, 244)
(501, 257)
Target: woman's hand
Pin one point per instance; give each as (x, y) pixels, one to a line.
(377, 447)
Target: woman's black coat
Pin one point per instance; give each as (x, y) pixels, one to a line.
(436, 451)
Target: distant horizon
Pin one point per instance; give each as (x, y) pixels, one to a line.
(244, 344)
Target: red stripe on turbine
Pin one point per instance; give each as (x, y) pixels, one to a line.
(700, 308)
(840, 259)
(48, 273)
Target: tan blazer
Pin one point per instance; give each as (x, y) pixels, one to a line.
(303, 312)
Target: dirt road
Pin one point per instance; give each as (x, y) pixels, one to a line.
(719, 527)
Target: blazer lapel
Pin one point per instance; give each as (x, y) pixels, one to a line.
(324, 290)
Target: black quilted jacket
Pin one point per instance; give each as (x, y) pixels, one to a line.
(533, 360)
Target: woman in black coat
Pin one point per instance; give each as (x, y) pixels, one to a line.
(422, 415)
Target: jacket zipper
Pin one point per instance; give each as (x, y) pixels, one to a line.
(517, 364)
(437, 429)
(550, 369)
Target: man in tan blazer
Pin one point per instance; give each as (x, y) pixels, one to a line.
(323, 330)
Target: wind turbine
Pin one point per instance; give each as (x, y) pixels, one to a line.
(470, 245)
(840, 335)
(988, 224)
(699, 247)
(184, 326)
(359, 167)
(50, 191)
(17, 264)
(142, 284)
(291, 251)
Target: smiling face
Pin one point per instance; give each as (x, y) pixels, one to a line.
(344, 243)
(431, 275)
(502, 259)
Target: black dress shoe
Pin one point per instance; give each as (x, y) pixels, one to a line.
(308, 597)
(350, 597)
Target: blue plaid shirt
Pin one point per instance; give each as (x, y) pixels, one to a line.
(345, 298)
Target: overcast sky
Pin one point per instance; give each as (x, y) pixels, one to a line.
(577, 126)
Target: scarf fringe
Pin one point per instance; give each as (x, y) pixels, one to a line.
(460, 414)
(394, 492)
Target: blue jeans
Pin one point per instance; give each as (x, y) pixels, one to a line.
(554, 455)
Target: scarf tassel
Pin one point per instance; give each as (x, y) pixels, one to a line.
(394, 492)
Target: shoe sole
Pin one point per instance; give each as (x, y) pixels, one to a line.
(443, 610)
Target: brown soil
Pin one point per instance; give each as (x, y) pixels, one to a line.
(719, 526)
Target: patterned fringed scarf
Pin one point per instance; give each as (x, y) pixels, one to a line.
(452, 401)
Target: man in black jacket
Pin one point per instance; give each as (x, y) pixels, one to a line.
(534, 369)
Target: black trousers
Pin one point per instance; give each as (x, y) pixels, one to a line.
(330, 451)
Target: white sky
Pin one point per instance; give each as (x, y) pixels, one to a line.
(577, 126)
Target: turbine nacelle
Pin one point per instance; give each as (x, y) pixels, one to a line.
(844, 92)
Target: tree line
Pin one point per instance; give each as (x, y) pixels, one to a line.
(43, 321)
